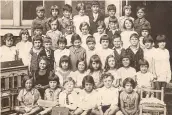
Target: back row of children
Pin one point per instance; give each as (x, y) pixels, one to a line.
(113, 49)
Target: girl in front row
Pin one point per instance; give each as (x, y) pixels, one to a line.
(28, 97)
(95, 70)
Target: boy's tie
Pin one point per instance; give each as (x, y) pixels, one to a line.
(67, 99)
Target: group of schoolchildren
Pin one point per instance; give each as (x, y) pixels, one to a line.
(91, 65)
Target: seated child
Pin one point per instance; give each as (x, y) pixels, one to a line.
(64, 69)
(68, 98)
(62, 50)
(108, 96)
(127, 15)
(54, 33)
(51, 95)
(135, 52)
(8, 51)
(129, 99)
(40, 19)
(28, 97)
(24, 46)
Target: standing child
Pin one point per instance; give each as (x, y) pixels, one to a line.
(100, 31)
(143, 77)
(78, 75)
(76, 51)
(108, 97)
(38, 30)
(110, 67)
(111, 12)
(40, 19)
(66, 19)
(129, 99)
(64, 69)
(104, 51)
(41, 75)
(58, 53)
(95, 16)
(81, 17)
(88, 96)
(68, 98)
(84, 28)
(127, 32)
(127, 15)
(126, 70)
(91, 50)
(28, 97)
(118, 50)
(140, 21)
(95, 70)
(69, 31)
(51, 95)
(162, 63)
(24, 46)
(149, 53)
(48, 52)
(35, 53)
(54, 12)
(145, 32)
(8, 51)
(135, 51)
(54, 33)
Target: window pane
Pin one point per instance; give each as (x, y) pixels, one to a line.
(29, 9)
(48, 5)
(88, 6)
(6, 10)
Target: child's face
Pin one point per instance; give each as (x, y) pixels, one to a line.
(9, 42)
(54, 25)
(91, 45)
(69, 86)
(40, 14)
(42, 64)
(113, 26)
(128, 24)
(140, 13)
(148, 45)
(38, 32)
(100, 30)
(125, 62)
(53, 84)
(107, 82)
(134, 41)
(84, 30)
(145, 33)
(28, 84)
(117, 42)
(65, 65)
(111, 13)
(111, 62)
(47, 46)
(95, 65)
(37, 44)
(128, 87)
(161, 45)
(81, 66)
(77, 43)
(105, 44)
(25, 37)
(127, 12)
(62, 45)
(69, 29)
(66, 14)
(82, 12)
(95, 8)
(143, 68)
(88, 87)
(54, 13)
